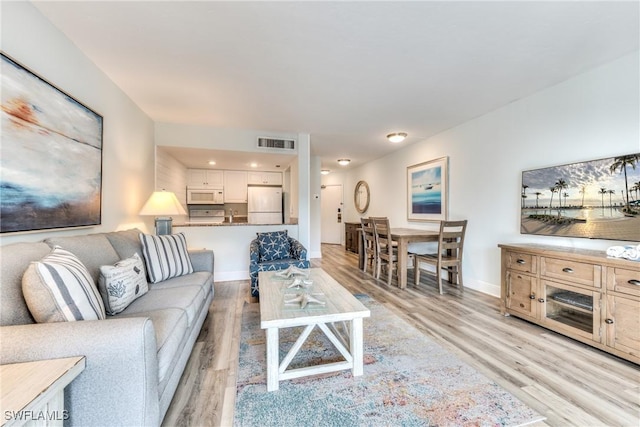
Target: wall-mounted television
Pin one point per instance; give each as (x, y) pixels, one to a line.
(597, 199)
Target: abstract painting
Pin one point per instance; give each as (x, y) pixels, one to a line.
(597, 199)
(50, 156)
(427, 193)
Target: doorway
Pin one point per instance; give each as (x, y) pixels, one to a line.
(332, 212)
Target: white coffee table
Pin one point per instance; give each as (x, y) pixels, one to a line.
(340, 320)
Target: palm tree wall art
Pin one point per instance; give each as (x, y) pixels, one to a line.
(581, 188)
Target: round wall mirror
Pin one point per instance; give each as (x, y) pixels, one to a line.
(361, 197)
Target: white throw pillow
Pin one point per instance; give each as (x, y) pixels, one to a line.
(59, 288)
(120, 284)
(165, 256)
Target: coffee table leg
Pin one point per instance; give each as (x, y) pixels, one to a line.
(272, 359)
(357, 351)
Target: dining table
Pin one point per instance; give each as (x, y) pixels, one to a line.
(403, 236)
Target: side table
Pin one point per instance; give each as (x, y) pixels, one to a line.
(32, 393)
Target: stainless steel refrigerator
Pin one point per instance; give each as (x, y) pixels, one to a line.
(264, 205)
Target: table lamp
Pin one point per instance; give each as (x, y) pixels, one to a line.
(163, 204)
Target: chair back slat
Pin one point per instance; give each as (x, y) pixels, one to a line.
(381, 232)
(451, 239)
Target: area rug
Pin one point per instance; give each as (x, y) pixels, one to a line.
(408, 380)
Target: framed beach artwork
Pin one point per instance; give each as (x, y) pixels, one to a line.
(597, 199)
(50, 156)
(427, 190)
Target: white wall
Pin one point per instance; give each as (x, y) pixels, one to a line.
(128, 149)
(591, 116)
(315, 236)
(195, 136)
(171, 175)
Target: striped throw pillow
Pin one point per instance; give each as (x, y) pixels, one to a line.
(165, 256)
(59, 288)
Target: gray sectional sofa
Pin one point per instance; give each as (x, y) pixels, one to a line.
(134, 360)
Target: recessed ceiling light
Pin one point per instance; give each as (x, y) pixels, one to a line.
(344, 162)
(325, 171)
(254, 165)
(211, 162)
(397, 137)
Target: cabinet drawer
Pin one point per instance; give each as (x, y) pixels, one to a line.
(526, 263)
(623, 281)
(572, 271)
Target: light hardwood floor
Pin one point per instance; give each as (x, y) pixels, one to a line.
(570, 383)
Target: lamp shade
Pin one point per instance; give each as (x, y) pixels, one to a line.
(163, 203)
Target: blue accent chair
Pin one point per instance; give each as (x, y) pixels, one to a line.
(274, 251)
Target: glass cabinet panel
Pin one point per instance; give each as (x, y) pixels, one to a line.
(575, 308)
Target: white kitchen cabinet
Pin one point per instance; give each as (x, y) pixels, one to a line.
(264, 178)
(235, 186)
(205, 178)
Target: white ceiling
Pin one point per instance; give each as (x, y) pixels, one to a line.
(199, 158)
(348, 73)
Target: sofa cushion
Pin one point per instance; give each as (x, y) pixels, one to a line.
(15, 259)
(199, 278)
(170, 326)
(165, 256)
(59, 288)
(187, 298)
(121, 283)
(274, 245)
(126, 243)
(94, 250)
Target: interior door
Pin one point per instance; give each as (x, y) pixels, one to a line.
(331, 210)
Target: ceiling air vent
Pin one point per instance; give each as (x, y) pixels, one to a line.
(278, 143)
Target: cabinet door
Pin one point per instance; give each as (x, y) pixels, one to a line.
(215, 178)
(264, 178)
(254, 178)
(571, 310)
(273, 178)
(206, 178)
(622, 323)
(196, 177)
(521, 294)
(235, 187)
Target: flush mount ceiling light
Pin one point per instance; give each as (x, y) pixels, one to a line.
(325, 171)
(344, 162)
(211, 162)
(397, 137)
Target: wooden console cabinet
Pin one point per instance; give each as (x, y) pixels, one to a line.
(351, 236)
(582, 294)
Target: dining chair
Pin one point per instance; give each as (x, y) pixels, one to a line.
(449, 254)
(369, 245)
(387, 253)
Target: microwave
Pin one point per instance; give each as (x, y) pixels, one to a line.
(205, 196)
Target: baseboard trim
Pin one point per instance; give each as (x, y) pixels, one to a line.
(228, 276)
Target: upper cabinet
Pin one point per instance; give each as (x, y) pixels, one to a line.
(205, 178)
(264, 178)
(235, 186)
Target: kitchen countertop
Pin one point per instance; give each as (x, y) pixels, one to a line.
(226, 223)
